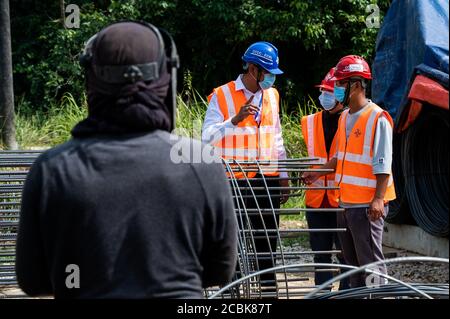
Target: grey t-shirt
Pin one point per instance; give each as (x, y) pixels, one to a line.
(382, 146)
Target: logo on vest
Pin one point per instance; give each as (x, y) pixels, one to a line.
(357, 133)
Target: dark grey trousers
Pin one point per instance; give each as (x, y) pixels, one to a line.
(362, 242)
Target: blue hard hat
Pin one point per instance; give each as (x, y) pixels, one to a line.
(263, 54)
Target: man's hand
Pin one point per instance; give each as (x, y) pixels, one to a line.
(246, 110)
(376, 209)
(284, 192)
(310, 177)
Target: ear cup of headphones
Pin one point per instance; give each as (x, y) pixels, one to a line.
(173, 63)
(85, 58)
(162, 47)
(172, 57)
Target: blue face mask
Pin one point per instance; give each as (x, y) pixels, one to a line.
(339, 93)
(327, 100)
(269, 80)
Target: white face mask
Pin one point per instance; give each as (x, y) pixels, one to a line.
(327, 100)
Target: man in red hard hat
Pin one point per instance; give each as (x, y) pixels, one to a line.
(319, 132)
(362, 168)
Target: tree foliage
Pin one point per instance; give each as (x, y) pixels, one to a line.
(211, 37)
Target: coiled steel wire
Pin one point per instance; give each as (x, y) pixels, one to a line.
(425, 160)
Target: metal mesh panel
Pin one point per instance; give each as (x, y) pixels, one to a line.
(264, 269)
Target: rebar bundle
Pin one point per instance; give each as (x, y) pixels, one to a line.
(425, 158)
(14, 167)
(264, 268)
(260, 241)
(421, 173)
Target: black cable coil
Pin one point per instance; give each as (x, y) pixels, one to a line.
(425, 163)
(399, 211)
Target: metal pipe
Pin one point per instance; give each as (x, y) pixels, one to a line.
(288, 160)
(15, 164)
(10, 204)
(293, 188)
(293, 255)
(286, 170)
(293, 210)
(305, 230)
(265, 196)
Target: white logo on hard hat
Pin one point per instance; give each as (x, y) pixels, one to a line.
(262, 56)
(354, 68)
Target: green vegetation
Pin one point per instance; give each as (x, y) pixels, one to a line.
(311, 36)
(46, 128)
(40, 128)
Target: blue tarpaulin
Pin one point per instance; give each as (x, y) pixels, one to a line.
(413, 40)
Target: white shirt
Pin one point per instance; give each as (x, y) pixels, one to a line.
(214, 126)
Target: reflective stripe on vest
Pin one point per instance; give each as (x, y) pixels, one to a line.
(354, 170)
(314, 136)
(247, 141)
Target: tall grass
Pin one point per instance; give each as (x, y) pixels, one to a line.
(190, 115)
(37, 129)
(52, 127)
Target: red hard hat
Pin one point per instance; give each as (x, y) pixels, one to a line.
(352, 66)
(327, 83)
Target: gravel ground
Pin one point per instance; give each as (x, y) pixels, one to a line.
(408, 272)
(419, 272)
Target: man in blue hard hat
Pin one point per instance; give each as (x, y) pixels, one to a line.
(242, 122)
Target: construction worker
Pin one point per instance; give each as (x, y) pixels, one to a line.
(363, 168)
(242, 122)
(319, 132)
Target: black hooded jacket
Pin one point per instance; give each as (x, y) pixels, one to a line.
(113, 209)
(137, 224)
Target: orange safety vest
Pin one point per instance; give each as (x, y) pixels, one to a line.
(248, 141)
(314, 137)
(354, 175)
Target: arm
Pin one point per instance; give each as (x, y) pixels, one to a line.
(376, 209)
(219, 254)
(331, 164)
(31, 267)
(382, 182)
(311, 177)
(279, 143)
(214, 126)
(382, 164)
(281, 152)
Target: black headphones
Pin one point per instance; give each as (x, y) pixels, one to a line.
(123, 74)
